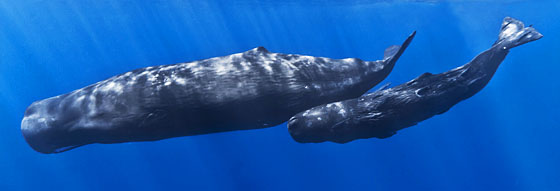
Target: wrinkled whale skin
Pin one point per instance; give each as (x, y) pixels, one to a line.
(382, 113)
(249, 90)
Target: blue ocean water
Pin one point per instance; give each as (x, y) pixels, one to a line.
(503, 138)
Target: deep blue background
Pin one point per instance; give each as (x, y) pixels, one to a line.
(504, 138)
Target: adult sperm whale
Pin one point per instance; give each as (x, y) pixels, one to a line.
(382, 113)
(253, 89)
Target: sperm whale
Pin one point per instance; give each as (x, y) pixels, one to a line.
(249, 90)
(382, 113)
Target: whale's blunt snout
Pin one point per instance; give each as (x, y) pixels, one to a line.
(295, 128)
(33, 128)
(302, 130)
(40, 129)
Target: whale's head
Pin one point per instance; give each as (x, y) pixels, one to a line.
(344, 121)
(45, 130)
(314, 125)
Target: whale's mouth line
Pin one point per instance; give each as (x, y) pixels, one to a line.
(66, 148)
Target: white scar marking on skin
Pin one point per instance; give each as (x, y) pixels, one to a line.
(221, 69)
(342, 112)
(143, 73)
(246, 65)
(348, 60)
(153, 77)
(79, 99)
(112, 86)
(181, 81)
(267, 66)
(339, 106)
(195, 67)
(132, 81)
(91, 104)
(170, 67)
(225, 64)
(224, 67)
(315, 113)
(191, 65)
(290, 65)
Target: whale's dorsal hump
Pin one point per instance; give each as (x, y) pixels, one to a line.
(259, 49)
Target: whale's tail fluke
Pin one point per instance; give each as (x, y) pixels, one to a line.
(393, 53)
(514, 33)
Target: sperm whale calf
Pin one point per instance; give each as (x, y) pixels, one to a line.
(382, 113)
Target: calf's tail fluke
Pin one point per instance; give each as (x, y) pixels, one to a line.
(393, 53)
(514, 33)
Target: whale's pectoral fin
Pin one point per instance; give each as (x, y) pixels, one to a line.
(393, 53)
(514, 33)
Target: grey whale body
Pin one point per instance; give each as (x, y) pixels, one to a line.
(249, 90)
(382, 113)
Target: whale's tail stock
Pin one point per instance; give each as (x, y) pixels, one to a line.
(514, 33)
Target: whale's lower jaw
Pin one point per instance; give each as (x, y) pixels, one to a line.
(53, 136)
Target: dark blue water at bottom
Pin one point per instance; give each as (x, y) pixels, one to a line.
(504, 138)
